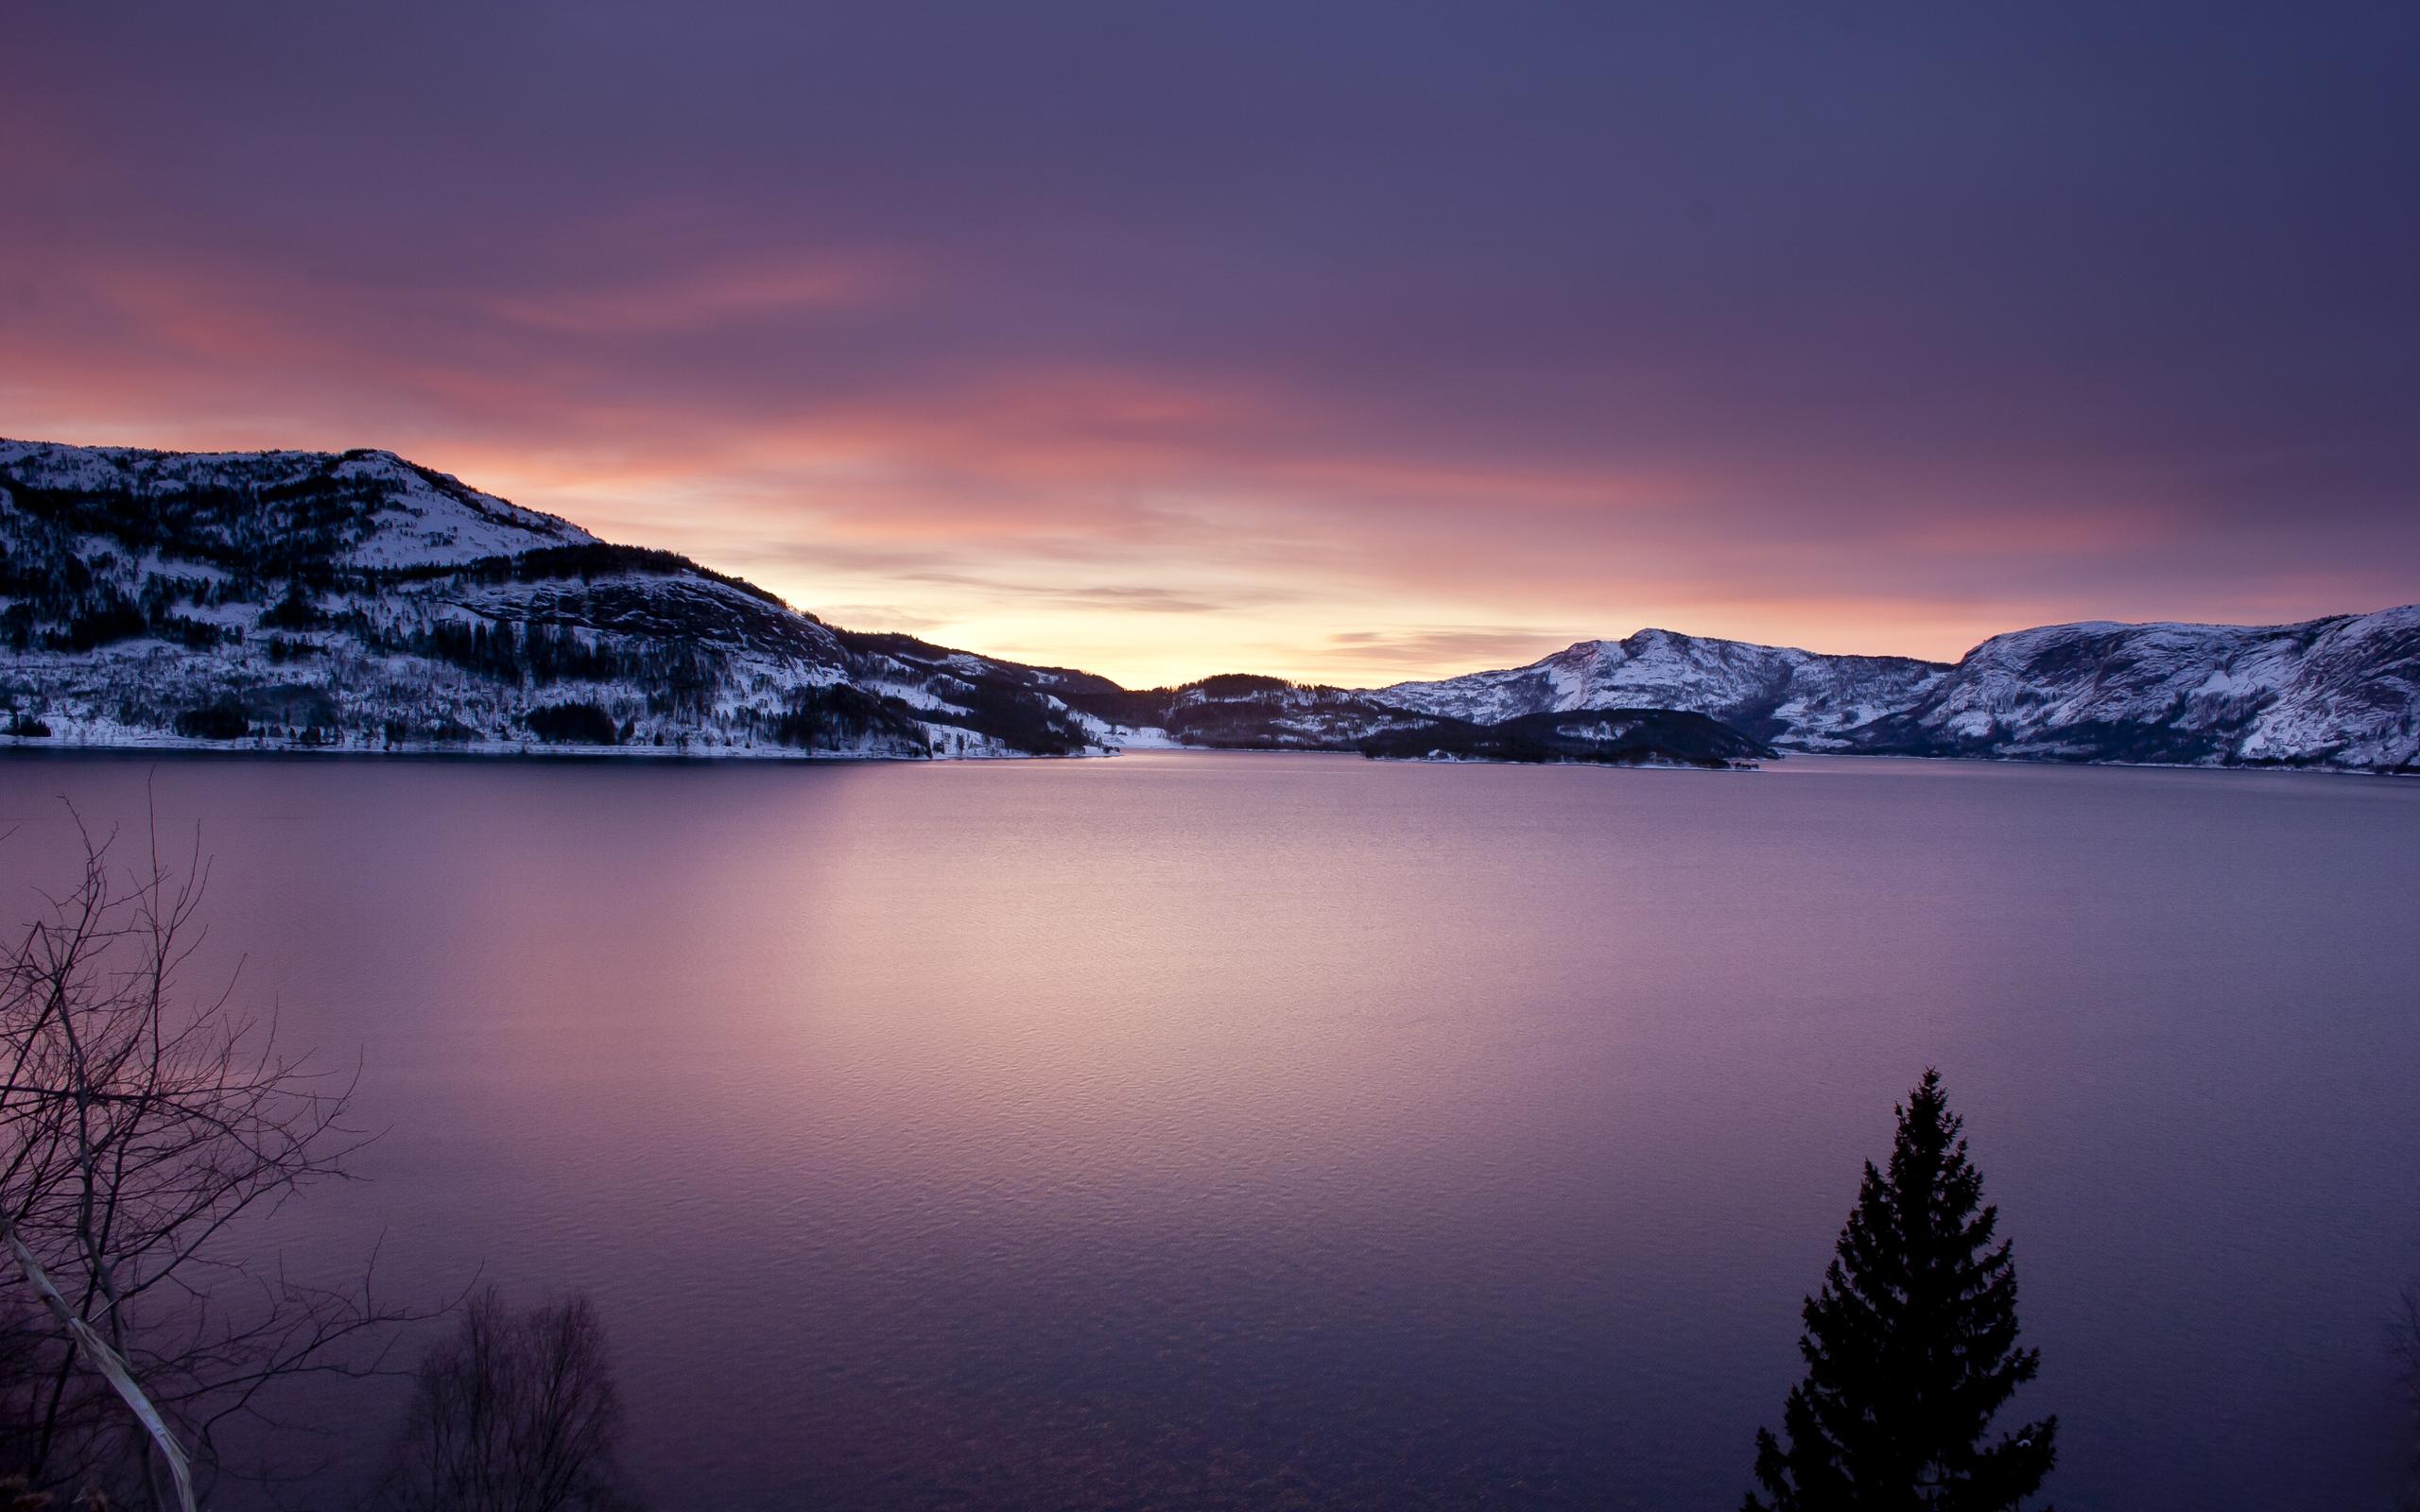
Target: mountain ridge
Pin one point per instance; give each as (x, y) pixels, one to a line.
(359, 600)
(2342, 691)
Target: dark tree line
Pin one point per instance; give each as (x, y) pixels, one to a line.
(260, 532)
(682, 677)
(584, 564)
(60, 602)
(575, 723)
(538, 653)
(835, 716)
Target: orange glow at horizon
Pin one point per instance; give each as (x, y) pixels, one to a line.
(1147, 525)
(1131, 343)
(1066, 555)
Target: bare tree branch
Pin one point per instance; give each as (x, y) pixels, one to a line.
(518, 1413)
(105, 1360)
(139, 1129)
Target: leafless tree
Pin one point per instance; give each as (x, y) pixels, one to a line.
(517, 1413)
(143, 1134)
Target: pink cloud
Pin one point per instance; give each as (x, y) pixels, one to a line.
(1042, 502)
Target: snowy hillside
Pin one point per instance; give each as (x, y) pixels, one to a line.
(357, 509)
(2338, 691)
(359, 601)
(1772, 693)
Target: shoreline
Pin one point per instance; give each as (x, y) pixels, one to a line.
(40, 748)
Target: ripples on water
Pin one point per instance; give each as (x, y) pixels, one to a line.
(1201, 1131)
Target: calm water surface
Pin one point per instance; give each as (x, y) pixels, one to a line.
(1202, 1131)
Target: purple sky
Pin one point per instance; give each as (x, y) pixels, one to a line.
(1339, 340)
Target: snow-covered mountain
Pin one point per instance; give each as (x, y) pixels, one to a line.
(1770, 691)
(357, 600)
(2343, 691)
(359, 509)
(2338, 691)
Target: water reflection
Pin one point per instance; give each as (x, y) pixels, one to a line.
(1238, 1130)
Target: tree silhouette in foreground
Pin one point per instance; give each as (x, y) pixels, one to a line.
(1911, 1348)
(517, 1413)
(148, 1139)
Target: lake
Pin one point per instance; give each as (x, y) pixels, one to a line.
(1219, 1130)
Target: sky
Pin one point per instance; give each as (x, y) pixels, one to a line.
(1346, 341)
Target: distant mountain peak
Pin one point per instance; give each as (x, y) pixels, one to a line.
(2341, 690)
(360, 598)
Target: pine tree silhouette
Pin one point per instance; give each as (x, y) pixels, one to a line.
(1911, 1348)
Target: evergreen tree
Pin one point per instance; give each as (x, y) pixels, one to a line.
(1911, 1348)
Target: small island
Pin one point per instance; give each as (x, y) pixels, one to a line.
(1607, 737)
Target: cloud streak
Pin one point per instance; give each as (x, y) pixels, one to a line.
(1329, 342)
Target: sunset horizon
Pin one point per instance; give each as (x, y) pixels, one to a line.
(980, 755)
(1353, 656)
(1459, 343)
